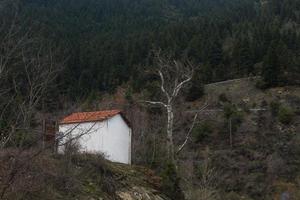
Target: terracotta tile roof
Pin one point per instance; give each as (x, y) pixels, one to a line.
(89, 116)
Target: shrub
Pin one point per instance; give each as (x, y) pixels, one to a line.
(244, 106)
(170, 182)
(195, 92)
(255, 184)
(274, 106)
(204, 193)
(202, 131)
(23, 139)
(285, 115)
(235, 196)
(238, 118)
(261, 84)
(229, 110)
(232, 196)
(128, 95)
(223, 98)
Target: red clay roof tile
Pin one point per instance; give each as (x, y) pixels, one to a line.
(89, 116)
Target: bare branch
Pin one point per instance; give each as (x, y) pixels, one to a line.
(174, 75)
(163, 85)
(188, 135)
(180, 85)
(156, 103)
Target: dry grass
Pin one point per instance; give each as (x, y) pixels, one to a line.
(50, 176)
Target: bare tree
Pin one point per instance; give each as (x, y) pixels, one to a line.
(174, 76)
(28, 67)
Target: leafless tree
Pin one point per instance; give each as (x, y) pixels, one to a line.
(28, 67)
(174, 76)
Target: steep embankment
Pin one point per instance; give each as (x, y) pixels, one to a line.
(81, 177)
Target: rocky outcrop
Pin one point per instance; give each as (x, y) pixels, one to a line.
(137, 183)
(140, 193)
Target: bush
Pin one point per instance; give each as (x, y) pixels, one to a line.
(229, 110)
(195, 92)
(170, 182)
(233, 119)
(202, 131)
(274, 106)
(23, 139)
(285, 115)
(261, 84)
(223, 98)
(235, 196)
(255, 184)
(129, 95)
(232, 196)
(244, 107)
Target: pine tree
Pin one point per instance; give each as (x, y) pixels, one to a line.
(271, 66)
(243, 57)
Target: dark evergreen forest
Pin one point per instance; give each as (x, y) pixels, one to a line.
(62, 56)
(109, 42)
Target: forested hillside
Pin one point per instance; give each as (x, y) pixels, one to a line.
(109, 42)
(210, 89)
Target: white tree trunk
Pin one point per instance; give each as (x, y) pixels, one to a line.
(230, 132)
(170, 145)
(174, 75)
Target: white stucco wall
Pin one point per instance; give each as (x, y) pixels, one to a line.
(111, 137)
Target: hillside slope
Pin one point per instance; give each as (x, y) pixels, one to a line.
(261, 158)
(109, 42)
(263, 161)
(81, 177)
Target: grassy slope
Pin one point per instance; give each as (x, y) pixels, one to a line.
(82, 177)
